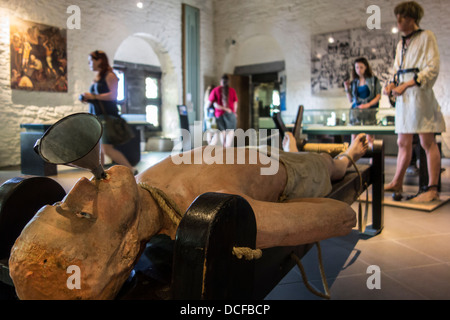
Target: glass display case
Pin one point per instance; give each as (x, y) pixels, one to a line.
(349, 117)
(341, 121)
(346, 121)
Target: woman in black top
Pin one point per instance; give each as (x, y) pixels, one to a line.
(103, 93)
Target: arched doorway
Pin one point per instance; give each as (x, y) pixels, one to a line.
(258, 67)
(150, 84)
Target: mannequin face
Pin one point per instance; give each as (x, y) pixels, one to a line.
(94, 228)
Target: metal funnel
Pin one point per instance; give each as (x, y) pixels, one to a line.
(73, 141)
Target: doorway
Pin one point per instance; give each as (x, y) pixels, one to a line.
(259, 96)
(139, 91)
(242, 86)
(266, 92)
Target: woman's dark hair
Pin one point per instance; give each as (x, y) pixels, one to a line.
(367, 74)
(104, 63)
(225, 90)
(410, 9)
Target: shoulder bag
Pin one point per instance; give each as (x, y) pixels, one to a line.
(115, 129)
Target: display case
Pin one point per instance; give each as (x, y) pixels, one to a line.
(343, 121)
(349, 117)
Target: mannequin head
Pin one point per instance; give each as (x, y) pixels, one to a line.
(94, 228)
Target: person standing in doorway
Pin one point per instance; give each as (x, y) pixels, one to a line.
(225, 102)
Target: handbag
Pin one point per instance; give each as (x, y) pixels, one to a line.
(116, 130)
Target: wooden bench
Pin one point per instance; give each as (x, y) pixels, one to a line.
(203, 266)
(199, 263)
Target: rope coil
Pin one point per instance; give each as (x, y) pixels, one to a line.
(170, 208)
(247, 253)
(165, 203)
(325, 295)
(362, 219)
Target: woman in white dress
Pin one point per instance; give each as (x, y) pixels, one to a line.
(417, 111)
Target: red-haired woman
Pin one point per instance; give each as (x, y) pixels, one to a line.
(103, 93)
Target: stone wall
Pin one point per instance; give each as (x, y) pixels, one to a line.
(292, 23)
(106, 24)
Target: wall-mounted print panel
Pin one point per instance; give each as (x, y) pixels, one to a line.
(38, 56)
(333, 54)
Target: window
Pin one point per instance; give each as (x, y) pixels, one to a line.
(139, 91)
(151, 88)
(153, 100)
(121, 85)
(276, 98)
(152, 93)
(151, 115)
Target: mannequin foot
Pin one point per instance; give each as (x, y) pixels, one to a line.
(289, 143)
(358, 147)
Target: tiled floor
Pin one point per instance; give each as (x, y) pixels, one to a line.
(412, 252)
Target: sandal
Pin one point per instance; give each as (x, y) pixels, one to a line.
(396, 193)
(422, 190)
(397, 196)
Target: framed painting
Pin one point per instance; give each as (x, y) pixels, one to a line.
(38, 56)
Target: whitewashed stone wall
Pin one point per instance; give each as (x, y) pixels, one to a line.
(104, 25)
(292, 23)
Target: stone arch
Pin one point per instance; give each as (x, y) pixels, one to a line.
(146, 49)
(254, 50)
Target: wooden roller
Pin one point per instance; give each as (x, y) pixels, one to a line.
(331, 148)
